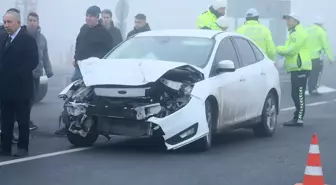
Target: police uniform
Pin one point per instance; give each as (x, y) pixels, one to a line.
(209, 17)
(298, 63)
(259, 33)
(318, 45)
(221, 24)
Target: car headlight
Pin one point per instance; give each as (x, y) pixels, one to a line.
(178, 86)
(81, 93)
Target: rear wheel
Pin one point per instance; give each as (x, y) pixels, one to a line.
(267, 127)
(205, 142)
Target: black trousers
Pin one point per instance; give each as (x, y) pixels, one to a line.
(315, 74)
(299, 81)
(11, 110)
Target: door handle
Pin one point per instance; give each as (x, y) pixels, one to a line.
(263, 73)
(242, 79)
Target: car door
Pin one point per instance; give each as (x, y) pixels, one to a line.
(229, 87)
(253, 76)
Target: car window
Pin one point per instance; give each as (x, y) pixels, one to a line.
(245, 50)
(226, 51)
(259, 55)
(191, 50)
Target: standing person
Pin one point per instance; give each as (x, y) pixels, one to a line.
(216, 10)
(222, 24)
(93, 40)
(318, 46)
(109, 25)
(259, 33)
(19, 57)
(3, 36)
(298, 63)
(34, 30)
(140, 25)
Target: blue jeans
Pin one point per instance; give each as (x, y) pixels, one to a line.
(76, 75)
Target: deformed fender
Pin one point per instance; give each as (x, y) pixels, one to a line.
(192, 113)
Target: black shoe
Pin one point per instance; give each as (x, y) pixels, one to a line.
(5, 153)
(21, 153)
(293, 123)
(315, 93)
(32, 126)
(62, 132)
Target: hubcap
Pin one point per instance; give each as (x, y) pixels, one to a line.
(208, 114)
(271, 117)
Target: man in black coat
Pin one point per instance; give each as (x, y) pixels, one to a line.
(109, 25)
(18, 58)
(140, 25)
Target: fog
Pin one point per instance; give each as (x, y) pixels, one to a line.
(60, 20)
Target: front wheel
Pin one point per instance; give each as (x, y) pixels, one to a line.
(80, 141)
(205, 142)
(267, 126)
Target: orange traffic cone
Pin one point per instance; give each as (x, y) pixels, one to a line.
(313, 173)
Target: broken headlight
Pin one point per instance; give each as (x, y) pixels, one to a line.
(81, 93)
(178, 86)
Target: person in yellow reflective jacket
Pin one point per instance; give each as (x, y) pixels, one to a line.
(221, 24)
(318, 46)
(259, 33)
(208, 18)
(298, 63)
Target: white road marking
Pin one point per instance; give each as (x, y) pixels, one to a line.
(9, 162)
(43, 156)
(324, 90)
(310, 105)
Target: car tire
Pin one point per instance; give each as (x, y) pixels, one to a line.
(268, 124)
(205, 142)
(43, 89)
(79, 141)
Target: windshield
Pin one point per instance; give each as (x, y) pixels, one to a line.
(191, 50)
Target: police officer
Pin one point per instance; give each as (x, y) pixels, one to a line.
(259, 33)
(222, 24)
(298, 63)
(216, 10)
(318, 45)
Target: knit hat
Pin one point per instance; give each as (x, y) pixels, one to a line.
(219, 4)
(223, 22)
(94, 11)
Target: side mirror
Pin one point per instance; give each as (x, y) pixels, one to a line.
(225, 66)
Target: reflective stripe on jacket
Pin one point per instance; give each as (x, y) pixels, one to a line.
(318, 42)
(295, 50)
(261, 35)
(213, 26)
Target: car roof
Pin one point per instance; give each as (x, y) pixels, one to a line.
(201, 33)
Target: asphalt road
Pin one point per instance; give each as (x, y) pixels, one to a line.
(236, 158)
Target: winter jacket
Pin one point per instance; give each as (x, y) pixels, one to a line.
(136, 31)
(115, 33)
(44, 61)
(93, 42)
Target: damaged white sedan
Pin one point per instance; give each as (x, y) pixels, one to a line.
(179, 85)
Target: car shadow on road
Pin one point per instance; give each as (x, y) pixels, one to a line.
(149, 146)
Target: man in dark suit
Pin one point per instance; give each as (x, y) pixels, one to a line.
(18, 58)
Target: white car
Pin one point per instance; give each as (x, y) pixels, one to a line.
(180, 85)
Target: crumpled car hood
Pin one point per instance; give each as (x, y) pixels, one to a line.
(132, 72)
